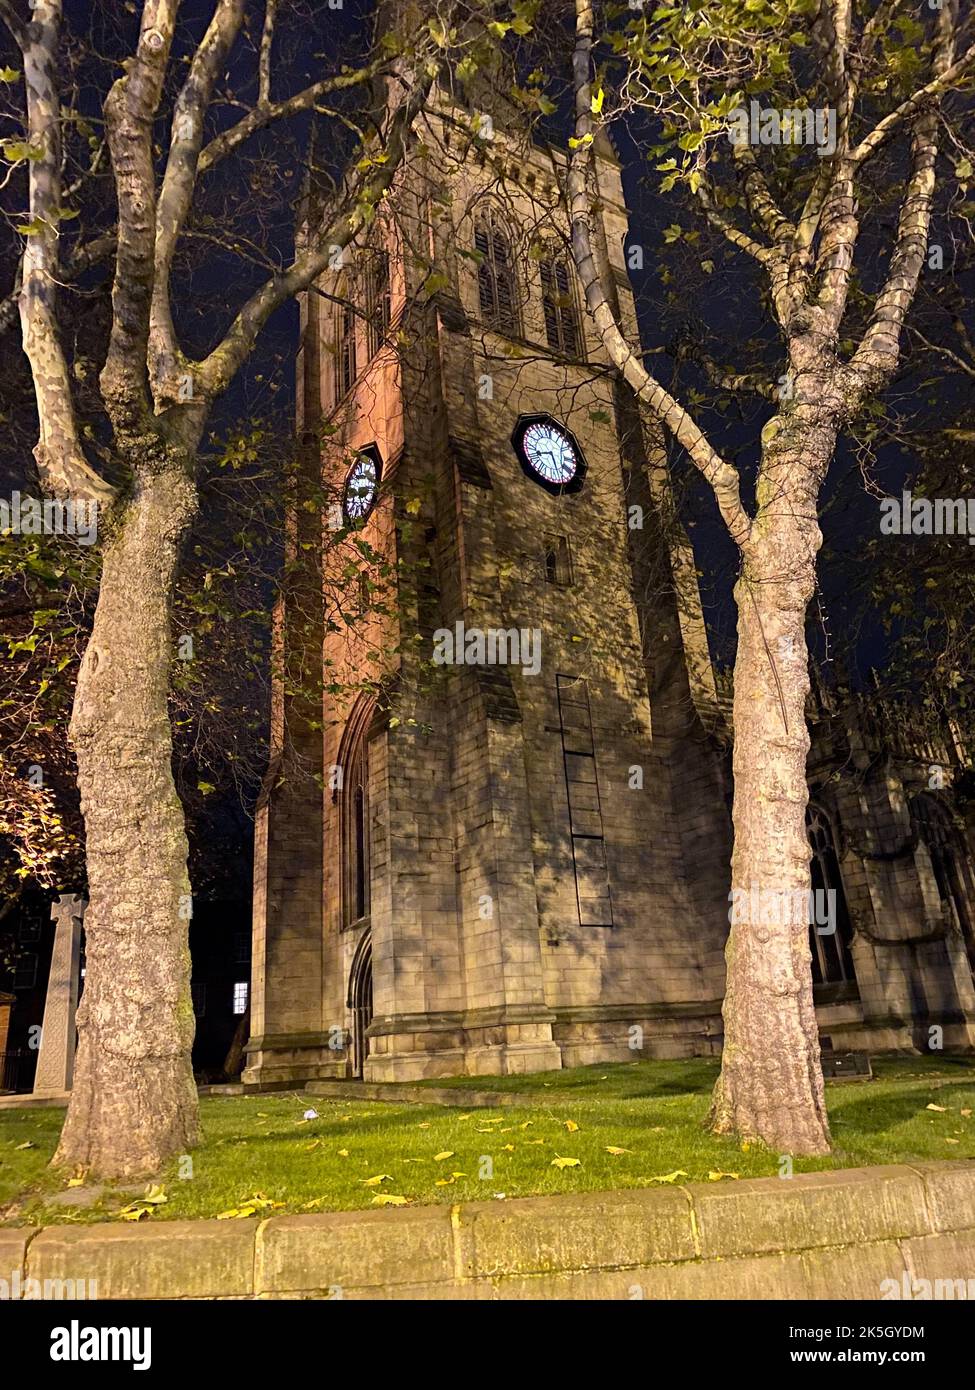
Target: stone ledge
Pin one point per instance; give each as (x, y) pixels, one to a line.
(845, 1207)
(366, 1248)
(835, 1235)
(176, 1259)
(14, 1241)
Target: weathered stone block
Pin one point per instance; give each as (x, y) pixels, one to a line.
(355, 1249)
(176, 1259)
(814, 1209)
(946, 1258)
(950, 1191)
(583, 1231)
(13, 1250)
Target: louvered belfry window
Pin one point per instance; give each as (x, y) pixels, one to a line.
(348, 367)
(378, 299)
(495, 275)
(561, 327)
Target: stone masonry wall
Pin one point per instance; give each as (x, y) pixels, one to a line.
(858, 1234)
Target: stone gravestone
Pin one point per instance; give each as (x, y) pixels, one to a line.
(55, 1064)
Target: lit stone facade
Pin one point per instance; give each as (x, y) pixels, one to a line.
(488, 869)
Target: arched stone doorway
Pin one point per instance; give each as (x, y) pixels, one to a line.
(360, 1003)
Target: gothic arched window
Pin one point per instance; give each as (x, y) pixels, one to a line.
(377, 298)
(558, 304)
(933, 824)
(832, 962)
(347, 369)
(495, 274)
(354, 814)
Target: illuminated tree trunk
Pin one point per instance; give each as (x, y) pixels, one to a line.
(771, 1086)
(134, 1102)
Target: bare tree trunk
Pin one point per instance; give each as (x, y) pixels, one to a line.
(134, 1103)
(771, 1086)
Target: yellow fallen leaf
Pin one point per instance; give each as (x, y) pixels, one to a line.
(536, 1141)
(952, 1141)
(343, 1153)
(27, 1144)
(508, 1148)
(966, 1113)
(527, 1124)
(387, 1199)
(313, 1145)
(560, 1163)
(715, 1175)
(669, 1177)
(445, 1153)
(443, 1182)
(133, 1213)
(154, 1196)
(458, 1175)
(939, 1108)
(315, 1202)
(375, 1181)
(76, 1182)
(424, 1125)
(571, 1126)
(612, 1149)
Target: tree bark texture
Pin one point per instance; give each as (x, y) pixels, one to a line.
(770, 1088)
(134, 1102)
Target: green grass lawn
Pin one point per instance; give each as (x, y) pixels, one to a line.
(653, 1111)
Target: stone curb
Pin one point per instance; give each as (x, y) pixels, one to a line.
(820, 1235)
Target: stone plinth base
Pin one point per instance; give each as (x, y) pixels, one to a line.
(285, 1058)
(482, 1042)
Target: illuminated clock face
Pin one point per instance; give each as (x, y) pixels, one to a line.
(549, 454)
(361, 487)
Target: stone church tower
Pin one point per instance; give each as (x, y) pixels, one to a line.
(518, 863)
(494, 836)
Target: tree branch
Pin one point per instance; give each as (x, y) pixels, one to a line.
(358, 208)
(264, 61)
(262, 116)
(875, 360)
(179, 182)
(14, 23)
(60, 459)
(902, 114)
(718, 472)
(130, 109)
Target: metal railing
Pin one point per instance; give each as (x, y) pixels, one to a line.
(10, 1070)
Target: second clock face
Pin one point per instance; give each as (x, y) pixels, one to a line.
(549, 454)
(361, 487)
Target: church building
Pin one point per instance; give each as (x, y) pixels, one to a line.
(495, 833)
